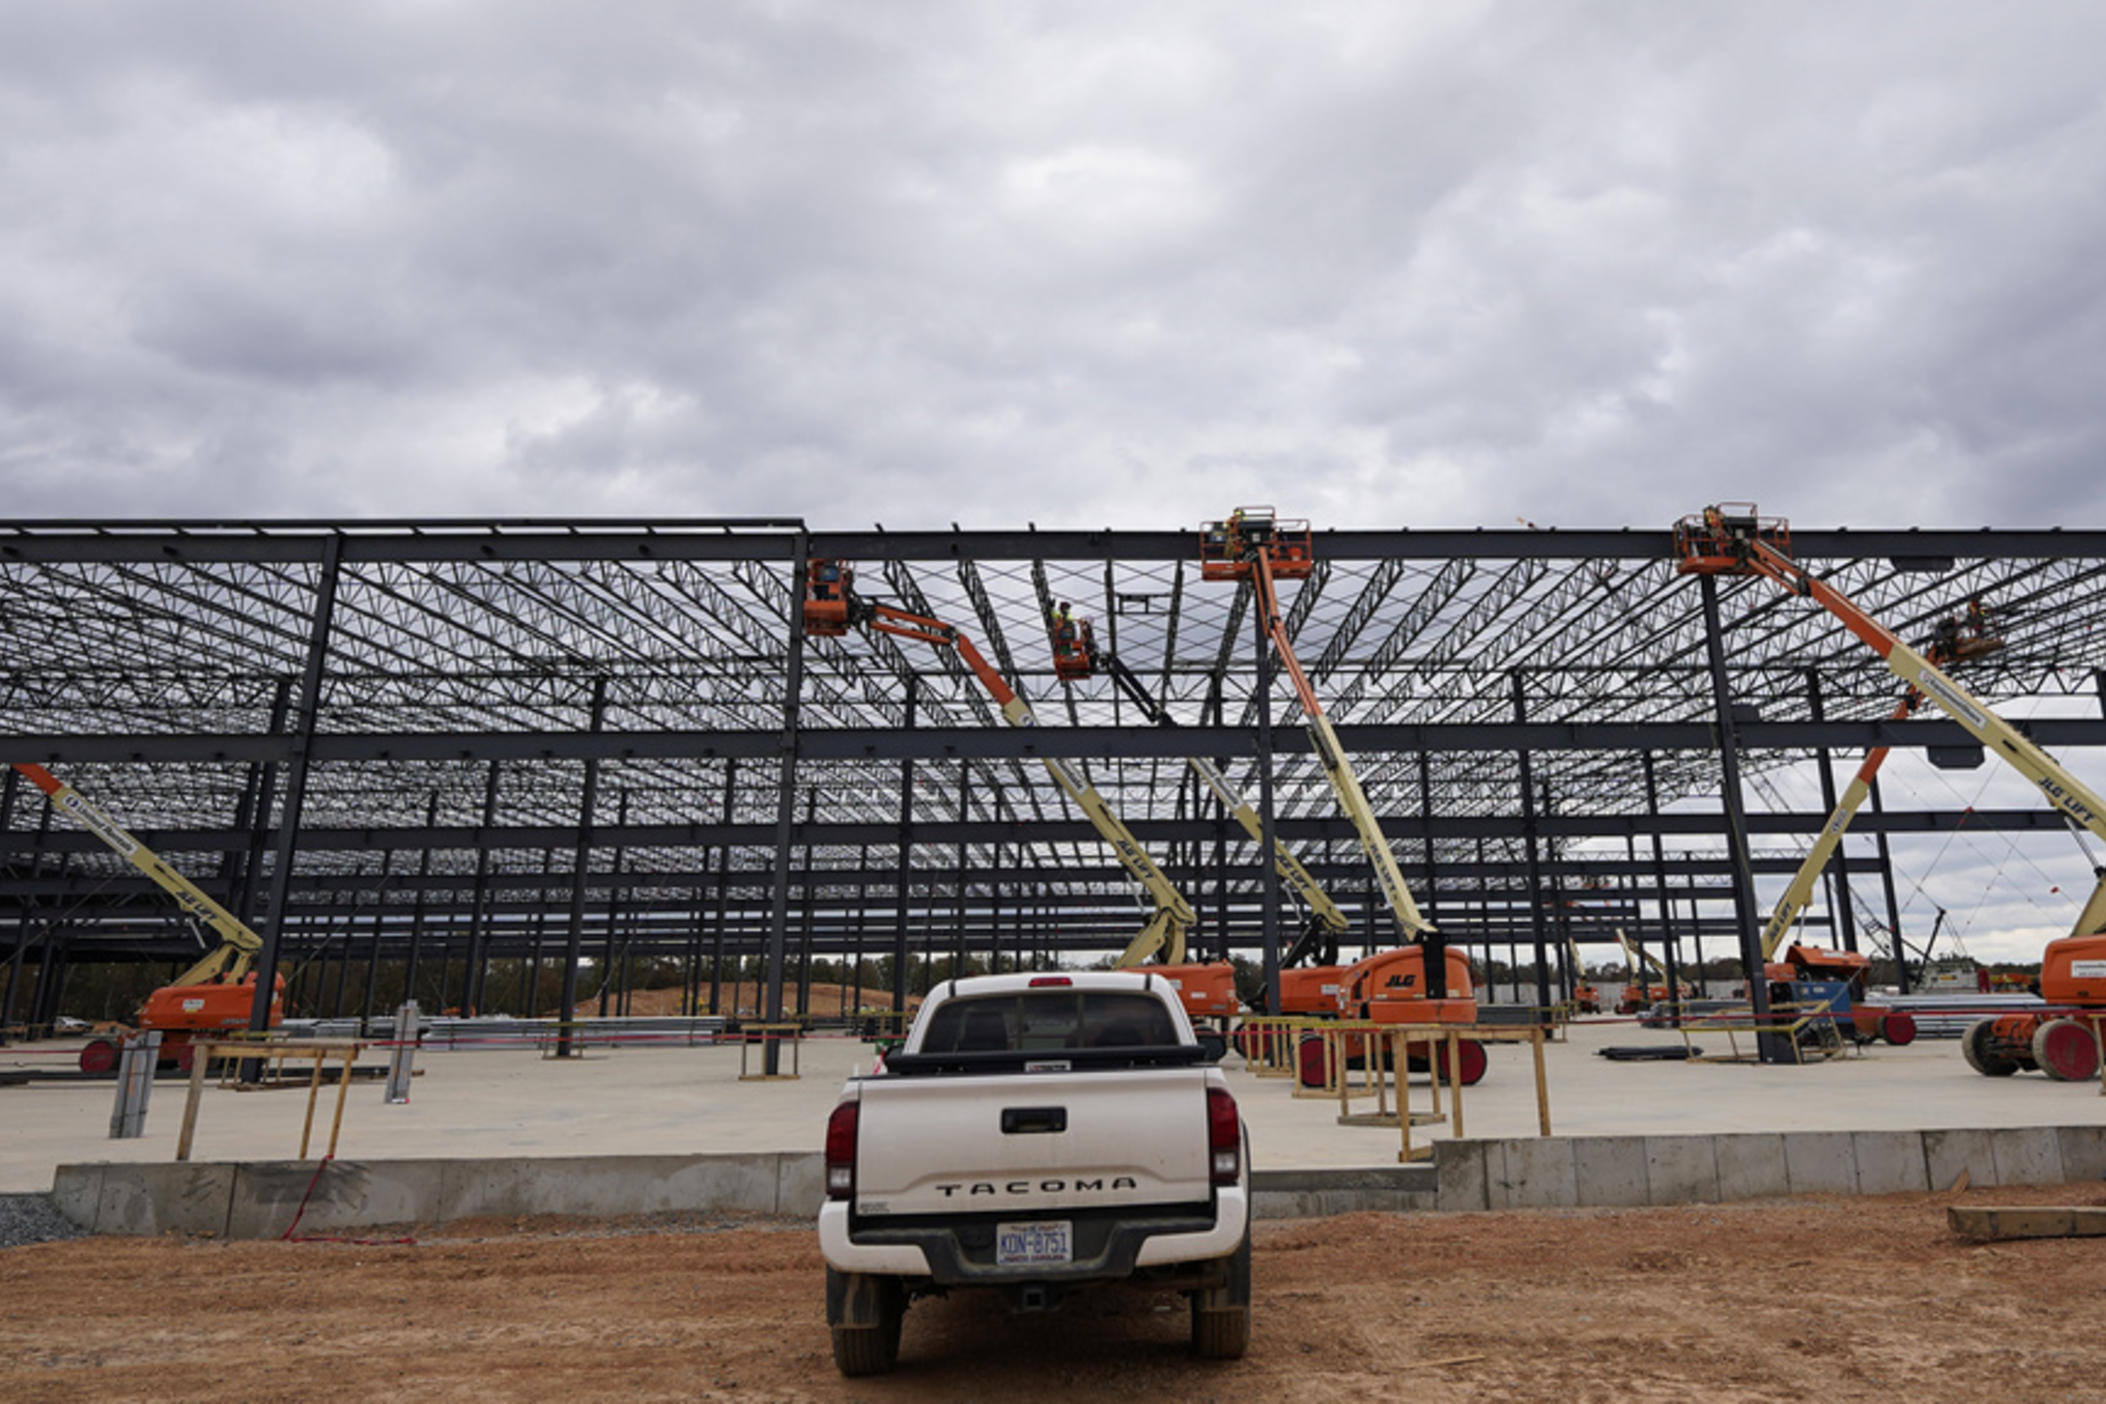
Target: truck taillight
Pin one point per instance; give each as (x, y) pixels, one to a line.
(1224, 1137)
(841, 1151)
(1040, 982)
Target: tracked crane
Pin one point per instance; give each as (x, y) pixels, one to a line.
(832, 608)
(1732, 539)
(1422, 981)
(215, 994)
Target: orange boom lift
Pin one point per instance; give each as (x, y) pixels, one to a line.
(832, 608)
(1730, 539)
(1422, 981)
(212, 996)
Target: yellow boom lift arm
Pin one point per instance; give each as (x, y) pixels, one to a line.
(1799, 893)
(1337, 769)
(237, 943)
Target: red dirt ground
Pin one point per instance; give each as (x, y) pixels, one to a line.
(1830, 1299)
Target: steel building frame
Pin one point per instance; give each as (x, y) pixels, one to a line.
(458, 742)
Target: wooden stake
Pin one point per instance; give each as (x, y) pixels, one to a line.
(1455, 1080)
(1400, 1045)
(314, 1087)
(1535, 1041)
(343, 1086)
(200, 1054)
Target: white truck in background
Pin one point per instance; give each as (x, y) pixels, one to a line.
(1033, 1134)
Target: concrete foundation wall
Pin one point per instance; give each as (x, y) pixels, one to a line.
(1660, 1170)
(260, 1199)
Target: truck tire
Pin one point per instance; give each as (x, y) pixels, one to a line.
(1221, 1315)
(865, 1313)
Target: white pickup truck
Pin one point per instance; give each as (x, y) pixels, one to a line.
(1037, 1132)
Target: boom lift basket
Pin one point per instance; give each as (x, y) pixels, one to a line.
(1074, 649)
(1715, 540)
(828, 586)
(1225, 547)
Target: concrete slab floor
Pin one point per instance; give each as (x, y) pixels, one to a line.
(644, 1100)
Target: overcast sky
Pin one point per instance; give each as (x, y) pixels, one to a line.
(1383, 264)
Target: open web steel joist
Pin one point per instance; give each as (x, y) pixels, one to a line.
(465, 741)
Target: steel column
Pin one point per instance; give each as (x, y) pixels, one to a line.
(1519, 689)
(785, 804)
(900, 976)
(1774, 1048)
(1268, 875)
(293, 811)
(1886, 882)
(574, 938)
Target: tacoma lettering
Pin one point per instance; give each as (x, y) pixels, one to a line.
(1097, 1186)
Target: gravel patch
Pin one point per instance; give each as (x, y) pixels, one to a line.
(29, 1218)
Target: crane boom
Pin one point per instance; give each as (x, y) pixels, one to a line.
(238, 944)
(1337, 769)
(1731, 540)
(1173, 917)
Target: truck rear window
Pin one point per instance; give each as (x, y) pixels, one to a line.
(1049, 1020)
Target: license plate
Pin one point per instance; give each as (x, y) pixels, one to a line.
(1029, 1244)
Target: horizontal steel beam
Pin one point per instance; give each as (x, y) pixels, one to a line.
(772, 539)
(1459, 883)
(642, 838)
(987, 743)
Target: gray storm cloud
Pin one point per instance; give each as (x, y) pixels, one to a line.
(1443, 265)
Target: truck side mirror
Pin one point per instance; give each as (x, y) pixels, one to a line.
(1213, 1047)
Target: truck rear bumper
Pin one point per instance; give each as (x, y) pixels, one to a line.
(936, 1252)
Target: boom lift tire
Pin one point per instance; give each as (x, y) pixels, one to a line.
(1981, 1055)
(1221, 1315)
(98, 1057)
(1898, 1029)
(1470, 1060)
(865, 1312)
(2065, 1051)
